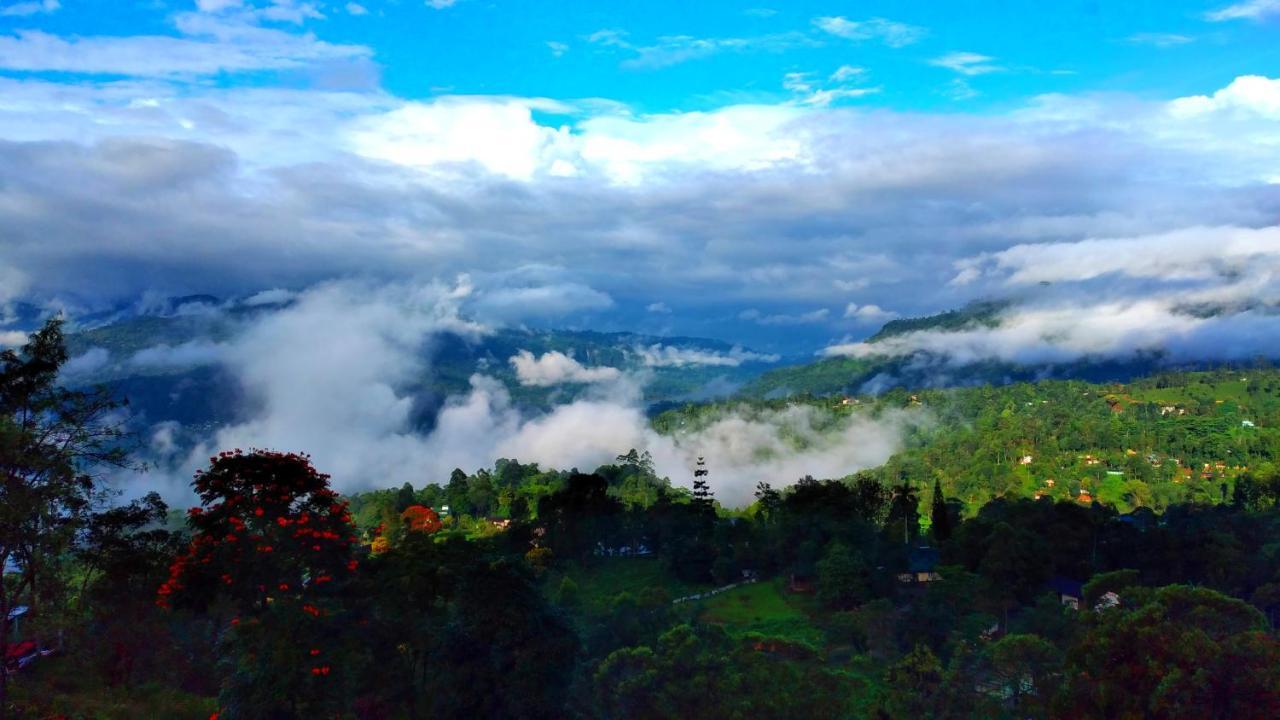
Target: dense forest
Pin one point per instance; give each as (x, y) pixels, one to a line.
(1056, 549)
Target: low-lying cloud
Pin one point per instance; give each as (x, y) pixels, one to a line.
(335, 374)
(556, 368)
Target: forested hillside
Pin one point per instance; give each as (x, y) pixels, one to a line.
(1153, 442)
(955, 581)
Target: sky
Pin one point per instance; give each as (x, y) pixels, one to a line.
(783, 177)
(788, 177)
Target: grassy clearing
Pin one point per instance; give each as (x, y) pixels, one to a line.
(601, 581)
(763, 608)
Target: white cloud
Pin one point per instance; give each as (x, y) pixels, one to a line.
(274, 296)
(217, 6)
(658, 307)
(1248, 10)
(1197, 253)
(869, 313)
(356, 9)
(1160, 40)
(557, 48)
(189, 354)
(808, 318)
(845, 73)
(441, 4)
(210, 45)
(34, 7)
(86, 363)
(1246, 95)
(893, 34)
(659, 355)
(556, 368)
(967, 63)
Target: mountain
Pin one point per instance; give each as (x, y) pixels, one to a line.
(873, 374)
(167, 362)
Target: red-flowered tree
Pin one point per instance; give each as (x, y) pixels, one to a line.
(272, 538)
(419, 518)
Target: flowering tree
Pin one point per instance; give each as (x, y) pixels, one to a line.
(418, 518)
(275, 540)
(269, 530)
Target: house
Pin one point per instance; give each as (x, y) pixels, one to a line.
(1070, 592)
(1085, 497)
(922, 566)
(1025, 460)
(1247, 423)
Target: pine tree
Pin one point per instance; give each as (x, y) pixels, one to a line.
(938, 514)
(702, 496)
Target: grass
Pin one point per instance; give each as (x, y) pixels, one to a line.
(1235, 391)
(59, 686)
(763, 608)
(602, 580)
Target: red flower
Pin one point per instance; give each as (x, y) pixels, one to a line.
(315, 651)
(311, 610)
(351, 565)
(284, 586)
(258, 511)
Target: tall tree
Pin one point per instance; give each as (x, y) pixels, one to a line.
(939, 518)
(51, 440)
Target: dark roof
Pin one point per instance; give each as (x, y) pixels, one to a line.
(923, 559)
(1066, 586)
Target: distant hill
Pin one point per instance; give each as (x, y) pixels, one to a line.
(922, 369)
(201, 393)
(979, 314)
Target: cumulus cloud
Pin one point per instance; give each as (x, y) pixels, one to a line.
(783, 208)
(556, 368)
(868, 313)
(659, 355)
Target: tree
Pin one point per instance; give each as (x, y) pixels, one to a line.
(939, 515)
(904, 511)
(418, 518)
(843, 577)
(405, 497)
(702, 496)
(768, 498)
(915, 684)
(274, 540)
(1181, 652)
(1026, 667)
(51, 441)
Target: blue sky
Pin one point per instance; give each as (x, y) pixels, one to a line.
(663, 55)
(789, 176)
